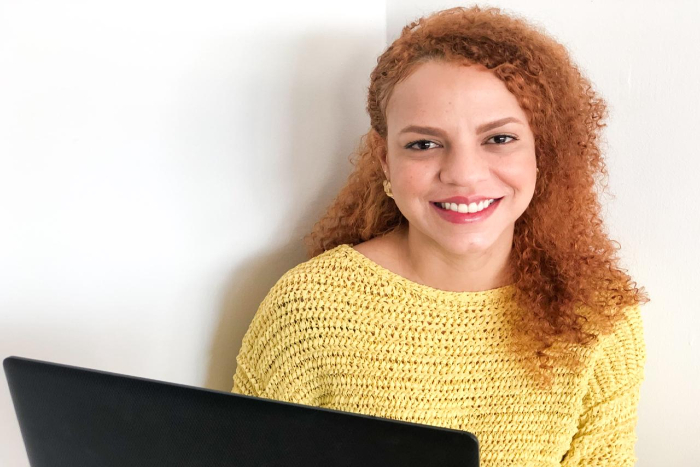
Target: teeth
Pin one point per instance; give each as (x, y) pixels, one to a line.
(470, 208)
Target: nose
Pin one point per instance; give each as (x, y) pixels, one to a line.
(464, 165)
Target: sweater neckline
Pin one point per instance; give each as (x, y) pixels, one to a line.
(492, 295)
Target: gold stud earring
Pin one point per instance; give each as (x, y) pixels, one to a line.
(387, 189)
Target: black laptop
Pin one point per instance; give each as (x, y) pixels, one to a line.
(76, 417)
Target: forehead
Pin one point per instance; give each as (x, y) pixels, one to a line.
(448, 93)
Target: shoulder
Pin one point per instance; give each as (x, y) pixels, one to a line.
(338, 279)
(620, 357)
(307, 285)
(627, 337)
(328, 269)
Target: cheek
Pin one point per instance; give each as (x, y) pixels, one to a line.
(520, 175)
(413, 177)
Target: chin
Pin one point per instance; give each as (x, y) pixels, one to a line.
(466, 246)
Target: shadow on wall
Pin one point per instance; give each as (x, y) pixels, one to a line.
(327, 107)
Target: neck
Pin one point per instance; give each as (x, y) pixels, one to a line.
(431, 264)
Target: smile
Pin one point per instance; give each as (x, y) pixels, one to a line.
(463, 208)
(463, 214)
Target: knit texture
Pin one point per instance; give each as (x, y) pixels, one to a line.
(341, 332)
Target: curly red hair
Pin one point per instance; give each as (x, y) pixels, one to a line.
(565, 267)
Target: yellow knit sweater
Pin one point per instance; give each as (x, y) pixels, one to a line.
(340, 331)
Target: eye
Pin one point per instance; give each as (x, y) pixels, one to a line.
(500, 139)
(421, 142)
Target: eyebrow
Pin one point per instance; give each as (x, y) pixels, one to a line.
(428, 130)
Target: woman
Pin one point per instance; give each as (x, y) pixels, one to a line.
(463, 277)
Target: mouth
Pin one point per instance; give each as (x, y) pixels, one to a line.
(466, 208)
(453, 214)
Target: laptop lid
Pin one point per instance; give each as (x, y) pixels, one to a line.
(76, 417)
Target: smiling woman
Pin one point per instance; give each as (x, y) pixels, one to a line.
(463, 277)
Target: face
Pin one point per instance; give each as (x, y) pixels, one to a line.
(455, 133)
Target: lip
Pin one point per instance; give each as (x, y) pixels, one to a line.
(466, 217)
(467, 199)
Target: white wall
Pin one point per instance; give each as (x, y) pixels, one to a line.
(160, 162)
(644, 57)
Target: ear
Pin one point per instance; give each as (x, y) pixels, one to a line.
(380, 151)
(385, 164)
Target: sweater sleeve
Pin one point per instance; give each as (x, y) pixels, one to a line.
(247, 379)
(244, 381)
(270, 362)
(606, 431)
